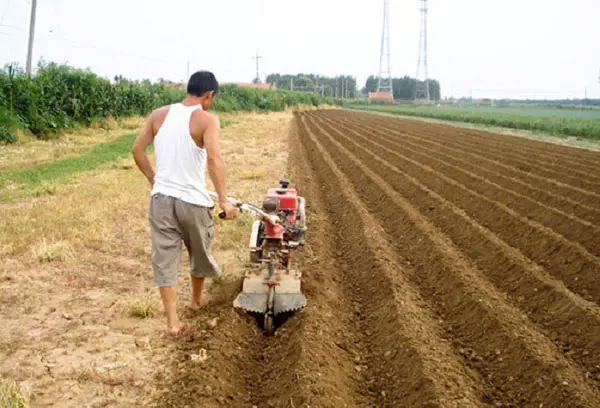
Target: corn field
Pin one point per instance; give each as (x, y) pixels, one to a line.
(59, 97)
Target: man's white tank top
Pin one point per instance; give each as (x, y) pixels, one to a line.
(180, 163)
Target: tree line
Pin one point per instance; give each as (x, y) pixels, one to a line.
(404, 88)
(343, 86)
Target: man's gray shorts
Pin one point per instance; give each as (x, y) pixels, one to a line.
(173, 221)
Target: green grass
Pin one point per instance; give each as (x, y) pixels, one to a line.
(11, 395)
(37, 180)
(525, 110)
(583, 123)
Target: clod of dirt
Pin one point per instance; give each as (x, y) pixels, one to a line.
(143, 343)
(201, 357)
(213, 323)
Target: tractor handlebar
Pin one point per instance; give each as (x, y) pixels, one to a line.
(251, 208)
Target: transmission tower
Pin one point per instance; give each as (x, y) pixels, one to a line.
(257, 58)
(385, 74)
(422, 86)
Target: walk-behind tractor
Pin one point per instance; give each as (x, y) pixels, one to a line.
(280, 229)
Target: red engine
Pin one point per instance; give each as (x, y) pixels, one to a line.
(285, 203)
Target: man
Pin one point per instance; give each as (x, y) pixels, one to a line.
(186, 140)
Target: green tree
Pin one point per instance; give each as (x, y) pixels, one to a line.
(327, 86)
(404, 88)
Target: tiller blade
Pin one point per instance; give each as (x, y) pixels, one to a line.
(288, 302)
(255, 292)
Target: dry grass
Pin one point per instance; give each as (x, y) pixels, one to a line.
(44, 189)
(54, 251)
(252, 174)
(142, 307)
(11, 395)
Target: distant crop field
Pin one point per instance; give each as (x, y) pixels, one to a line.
(522, 110)
(584, 123)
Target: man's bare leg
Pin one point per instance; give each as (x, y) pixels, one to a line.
(169, 298)
(198, 300)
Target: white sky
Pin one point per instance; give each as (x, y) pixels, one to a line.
(508, 48)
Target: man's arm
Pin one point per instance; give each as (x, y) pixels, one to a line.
(144, 139)
(215, 166)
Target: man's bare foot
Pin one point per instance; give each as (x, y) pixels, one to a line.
(175, 330)
(204, 300)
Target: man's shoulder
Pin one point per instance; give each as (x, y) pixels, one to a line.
(204, 119)
(160, 113)
(157, 118)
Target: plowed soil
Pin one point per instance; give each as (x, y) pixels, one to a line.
(446, 267)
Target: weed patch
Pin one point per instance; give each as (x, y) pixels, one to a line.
(11, 395)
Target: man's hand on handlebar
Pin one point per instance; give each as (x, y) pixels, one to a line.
(229, 211)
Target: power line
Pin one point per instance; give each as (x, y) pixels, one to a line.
(13, 27)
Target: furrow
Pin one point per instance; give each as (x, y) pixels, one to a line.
(572, 322)
(481, 167)
(575, 180)
(492, 336)
(580, 158)
(409, 364)
(577, 189)
(565, 259)
(567, 225)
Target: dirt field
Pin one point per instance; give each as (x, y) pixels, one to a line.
(465, 264)
(446, 267)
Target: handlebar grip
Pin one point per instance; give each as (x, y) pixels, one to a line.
(222, 215)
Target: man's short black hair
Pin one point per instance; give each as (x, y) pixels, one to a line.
(202, 82)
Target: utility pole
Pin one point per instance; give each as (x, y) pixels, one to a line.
(31, 36)
(257, 58)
